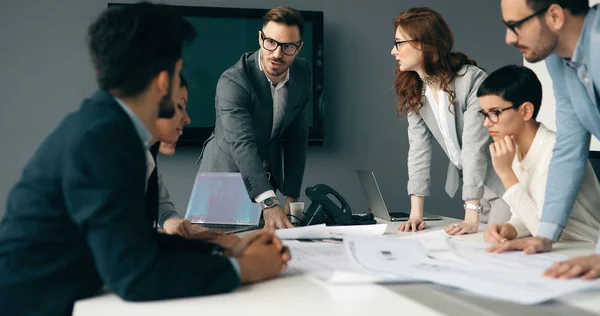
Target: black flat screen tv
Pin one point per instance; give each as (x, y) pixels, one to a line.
(224, 34)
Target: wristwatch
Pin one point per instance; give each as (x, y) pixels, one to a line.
(474, 207)
(269, 202)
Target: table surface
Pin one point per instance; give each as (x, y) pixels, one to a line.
(300, 295)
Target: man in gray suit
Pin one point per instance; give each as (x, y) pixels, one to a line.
(262, 114)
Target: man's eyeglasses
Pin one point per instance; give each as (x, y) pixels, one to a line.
(398, 43)
(494, 115)
(514, 25)
(286, 48)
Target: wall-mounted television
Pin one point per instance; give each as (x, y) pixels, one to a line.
(224, 34)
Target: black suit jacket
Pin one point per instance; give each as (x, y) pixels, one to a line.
(77, 220)
(242, 140)
(152, 196)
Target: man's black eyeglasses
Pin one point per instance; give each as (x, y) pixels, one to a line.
(286, 48)
(514, 25)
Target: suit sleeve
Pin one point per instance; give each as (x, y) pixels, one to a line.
(295, 142)
(166, 208)
(475, 143)
(232, 103)
(104, 184)
(419, 156)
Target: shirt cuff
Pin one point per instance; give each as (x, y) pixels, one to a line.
(519, 226)
(265, 195)
(236, 267)
(549, 231)
(508, 195)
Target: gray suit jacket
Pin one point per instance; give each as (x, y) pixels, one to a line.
(467, 133)
(242, 140)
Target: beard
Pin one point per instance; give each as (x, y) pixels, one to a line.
(547, 43)
(271, 72)
(166, 105)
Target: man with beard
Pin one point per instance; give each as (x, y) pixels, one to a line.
(262, 112)
(76, 220)
(566, 35)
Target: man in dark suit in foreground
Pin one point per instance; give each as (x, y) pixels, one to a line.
(76, 220)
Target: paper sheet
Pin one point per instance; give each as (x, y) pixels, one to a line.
(305, 232)
(357, 230)
(323, 232)
(410, 258)
(327, 261)
(514, 260)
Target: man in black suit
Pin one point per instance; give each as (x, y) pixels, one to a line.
(262, 114)
(77, 217)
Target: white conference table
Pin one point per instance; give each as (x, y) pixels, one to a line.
(300, 295)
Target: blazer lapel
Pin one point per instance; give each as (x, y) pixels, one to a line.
(451, 119)
(263, 89)
(289, 99)
(428, 116)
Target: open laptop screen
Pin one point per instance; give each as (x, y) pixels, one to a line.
(221, 198)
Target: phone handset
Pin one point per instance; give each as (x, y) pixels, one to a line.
(324, 210)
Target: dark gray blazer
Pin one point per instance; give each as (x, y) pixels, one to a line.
(467, 133)
(242, 140)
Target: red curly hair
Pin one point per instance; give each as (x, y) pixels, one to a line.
(435, 39)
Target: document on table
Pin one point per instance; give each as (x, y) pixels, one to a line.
(324, 232)
(327, 261)
(357, 230)
(475, 253)
(410, 258)
(304, 232)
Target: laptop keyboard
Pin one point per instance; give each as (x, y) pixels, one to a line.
(225, 226)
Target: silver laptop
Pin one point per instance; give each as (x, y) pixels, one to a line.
(219, 200)
(376, 203)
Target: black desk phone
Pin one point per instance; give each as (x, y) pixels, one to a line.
(324, 210)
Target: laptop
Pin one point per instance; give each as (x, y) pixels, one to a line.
(377, 204)
(219, 201)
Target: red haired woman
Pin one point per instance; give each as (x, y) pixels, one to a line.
(437, 91)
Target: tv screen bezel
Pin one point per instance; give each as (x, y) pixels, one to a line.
(196, 136)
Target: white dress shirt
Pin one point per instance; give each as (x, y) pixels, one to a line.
(278, 94)
(526, 198)
(440, 110)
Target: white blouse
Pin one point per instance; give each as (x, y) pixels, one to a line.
(526, 198)
(440, 110)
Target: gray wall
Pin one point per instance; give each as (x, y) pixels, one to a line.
(45, 73)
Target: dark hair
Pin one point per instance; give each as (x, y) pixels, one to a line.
(184, 83)
(576, 7)
(131, 44)
(514, 84)
(285, 15)
(429, 29)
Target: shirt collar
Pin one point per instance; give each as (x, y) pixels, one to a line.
(581, 47)
(140, 128)
(281, 83)
(536, 146)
